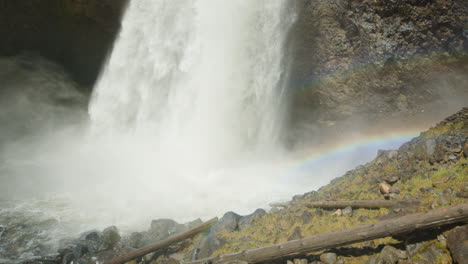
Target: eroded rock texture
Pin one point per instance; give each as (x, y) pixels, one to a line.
(378, 58)
(76, 33)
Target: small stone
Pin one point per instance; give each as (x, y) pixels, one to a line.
(455, 150)
(289, 262)
(390, 254)
(443, 200)
(384, 188)
(328, 258)
(441, 238)
(348, 211)
(465, 149)
(337, 213)
(363, 218)
(452, 157)
(369, 244)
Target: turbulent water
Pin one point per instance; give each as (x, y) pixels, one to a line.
(185, 122)
(206, 74)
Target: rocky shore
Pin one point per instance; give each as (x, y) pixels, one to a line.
(432, 169)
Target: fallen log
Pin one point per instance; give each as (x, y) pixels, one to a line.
(370, 204)
(161, 244)
(396, 226)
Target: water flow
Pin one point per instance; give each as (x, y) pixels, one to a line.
(199, 78)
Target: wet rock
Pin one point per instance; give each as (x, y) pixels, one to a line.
(328, 258)
(457, 242)
(391, 255)
(163, 228)
(348, 211)
(229, 222)
(110, 238)
(413, 248)
(296, 234)
(89, 242)
(194, 223)
(135, 240)
(246, 221)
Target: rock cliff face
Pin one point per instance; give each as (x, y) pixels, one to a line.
(374, 58)
(76, 33)
(352, 58)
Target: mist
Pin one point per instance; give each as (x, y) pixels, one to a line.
(207, 141)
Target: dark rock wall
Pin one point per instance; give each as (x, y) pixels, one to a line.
(349, 58)
(371, 58)
(75, 33)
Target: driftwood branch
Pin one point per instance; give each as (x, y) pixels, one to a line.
(401, 225)
(371, 204)
(161, 244)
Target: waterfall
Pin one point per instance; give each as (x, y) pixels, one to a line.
(201, 73)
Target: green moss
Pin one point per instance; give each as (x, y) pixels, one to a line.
(363, 184)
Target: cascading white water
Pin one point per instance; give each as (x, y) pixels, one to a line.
(201, 73)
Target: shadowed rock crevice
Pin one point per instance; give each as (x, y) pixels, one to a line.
(75, 34)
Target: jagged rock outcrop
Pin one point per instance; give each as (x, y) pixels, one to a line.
(375, 59)
(75, 33)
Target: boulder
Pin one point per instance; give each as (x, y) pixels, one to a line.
(348, 211)
(209, 244)
(246, 221)
(392, 255)
(328, 258)
(110, 238)
(161, 229)
(457, 242)
(384, 188)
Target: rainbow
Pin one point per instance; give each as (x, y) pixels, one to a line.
(332, 160)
